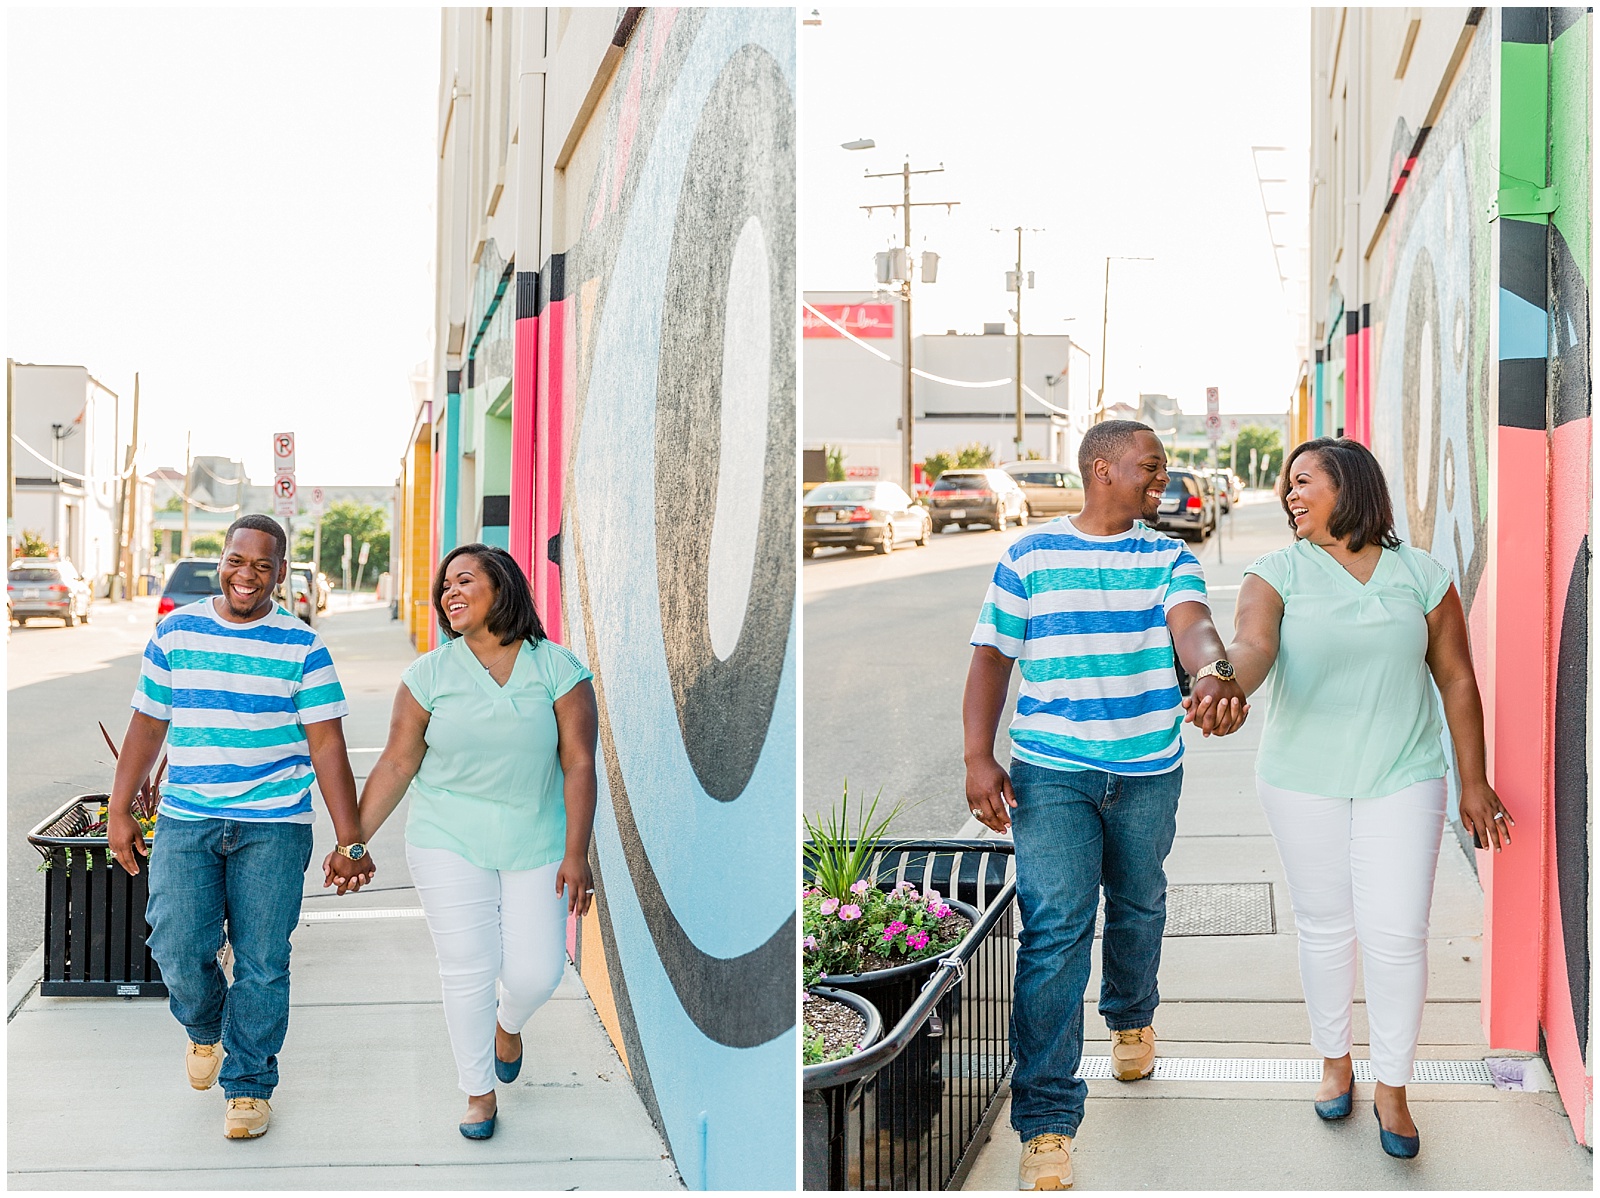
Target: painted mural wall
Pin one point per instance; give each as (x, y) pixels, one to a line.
(665, 404)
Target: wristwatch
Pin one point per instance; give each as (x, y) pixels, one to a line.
(1221, 668)
(354, 851)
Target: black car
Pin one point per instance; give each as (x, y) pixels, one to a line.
(191, 579)
(1189, 506)
(968, 497)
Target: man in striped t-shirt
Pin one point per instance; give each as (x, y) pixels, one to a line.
(1092, 607)
(246, 699)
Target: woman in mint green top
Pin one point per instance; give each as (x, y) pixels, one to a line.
(1360, 638)
(493, 737)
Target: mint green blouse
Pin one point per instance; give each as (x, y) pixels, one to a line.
(1353, 712)
(490, 786)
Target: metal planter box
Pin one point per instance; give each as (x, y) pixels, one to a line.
(94, 927)
(908, 1112)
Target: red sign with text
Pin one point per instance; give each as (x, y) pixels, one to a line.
(860, 320)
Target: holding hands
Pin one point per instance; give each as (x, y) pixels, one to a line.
(1216, 707)
(349, 876)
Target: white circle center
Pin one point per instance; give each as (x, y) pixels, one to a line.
(746, 385)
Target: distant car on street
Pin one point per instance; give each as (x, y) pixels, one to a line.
(1228, 487)
(1188, 507)
(304, 591)
(192, 578)
(968, 497)
(1050, 488)
(874, 514)
(323, 590)
(41, 587)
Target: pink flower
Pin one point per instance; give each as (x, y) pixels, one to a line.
(829, 906)
(917, 940)
(860, 887)
(939, 911)
(932, 896)
(811, 943)
(893, 930)
(849, 911)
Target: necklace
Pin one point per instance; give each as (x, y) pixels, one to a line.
(490, 667)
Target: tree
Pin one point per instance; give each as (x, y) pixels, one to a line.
(976, 456)
(1253, 436)
(33, 544)
(835, 456)
(936, 464)
(207, 544)
(364, 522)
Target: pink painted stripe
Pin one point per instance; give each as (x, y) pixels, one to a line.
(524, 380)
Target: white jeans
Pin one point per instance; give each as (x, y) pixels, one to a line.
(1361, 870)
(489, 926)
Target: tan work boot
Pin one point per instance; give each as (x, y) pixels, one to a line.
(1046, 1163)
(1133, 1053)
(247, 1118)
(203, 1062)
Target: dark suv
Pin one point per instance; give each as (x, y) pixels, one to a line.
(1189, 506)
(192, 578)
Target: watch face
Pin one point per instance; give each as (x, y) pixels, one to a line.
(1225, 670)
(356, 851)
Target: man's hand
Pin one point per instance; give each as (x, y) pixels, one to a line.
(126, 840)
(1216, 707)
(338, 870)
(989, 794)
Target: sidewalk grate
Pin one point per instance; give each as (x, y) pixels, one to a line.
(366, 913)
(1214, 909)
(1250, 1069)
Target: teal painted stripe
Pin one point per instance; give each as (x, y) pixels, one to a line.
(1003, 622)
(232, 663)
(236, 738)
(1128, 748)
(1112, 578)
(1096, 665)
(161, 694)
(318, 696)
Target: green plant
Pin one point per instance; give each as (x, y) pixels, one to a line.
(976, 456)
(839, 855)
(936, 464)
(33, 545)
(367, 522)
(835, 456)
(207, 544)
(873, 929)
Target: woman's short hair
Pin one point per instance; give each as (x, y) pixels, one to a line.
(512, 616)
(1363, 511)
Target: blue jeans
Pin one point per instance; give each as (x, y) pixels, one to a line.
(249, 872)
(1076, 830)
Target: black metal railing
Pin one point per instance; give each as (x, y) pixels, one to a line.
(910, 1112)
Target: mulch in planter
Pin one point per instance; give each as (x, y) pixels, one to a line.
(842, 1027)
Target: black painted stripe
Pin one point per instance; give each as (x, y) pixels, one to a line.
(527, 293)
(626, 26)
(1366, 316)
(552, 285)
(1572, 789)
(1526, 26)
(452, 382)
(1563, 19)
(1524, 270)
(1522, 392)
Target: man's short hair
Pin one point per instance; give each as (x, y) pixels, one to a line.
(1108, 440)
(264, 524)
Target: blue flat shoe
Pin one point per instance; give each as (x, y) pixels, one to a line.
(1337, 1107)
(1404, 1147)
(507, 1071)
(480, 1131)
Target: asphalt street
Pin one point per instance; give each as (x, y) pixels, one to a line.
(887, 642)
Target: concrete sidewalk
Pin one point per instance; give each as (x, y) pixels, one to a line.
(1238, 997)
(368, 1100)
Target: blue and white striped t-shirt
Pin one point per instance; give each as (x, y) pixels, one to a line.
(1086, 618)
(237, 697)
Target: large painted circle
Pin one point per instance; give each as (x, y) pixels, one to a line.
(734, 198)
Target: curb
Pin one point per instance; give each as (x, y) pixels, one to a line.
(21, 986)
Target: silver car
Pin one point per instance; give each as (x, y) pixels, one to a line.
(42, 587)
(866, 514)
(1050, 488)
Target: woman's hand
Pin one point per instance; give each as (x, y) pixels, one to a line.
(574, 877)
(1485, 816)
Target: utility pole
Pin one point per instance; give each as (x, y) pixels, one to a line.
(130, 496)
(907, 411)
(11, 473)
(1105, 316)
(188, 465)
(1014, 281)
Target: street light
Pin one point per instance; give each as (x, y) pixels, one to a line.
(860, 143)
(1105, 315)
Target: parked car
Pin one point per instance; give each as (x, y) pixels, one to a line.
(1050, 488)
(968, 497)
(1188, 507)
(859, 514)
(323, 590)
(1228, 487)
(192, 578)
(304, 591)
(44, 587)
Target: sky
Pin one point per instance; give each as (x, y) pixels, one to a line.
(1116, 132)
(237, 204)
